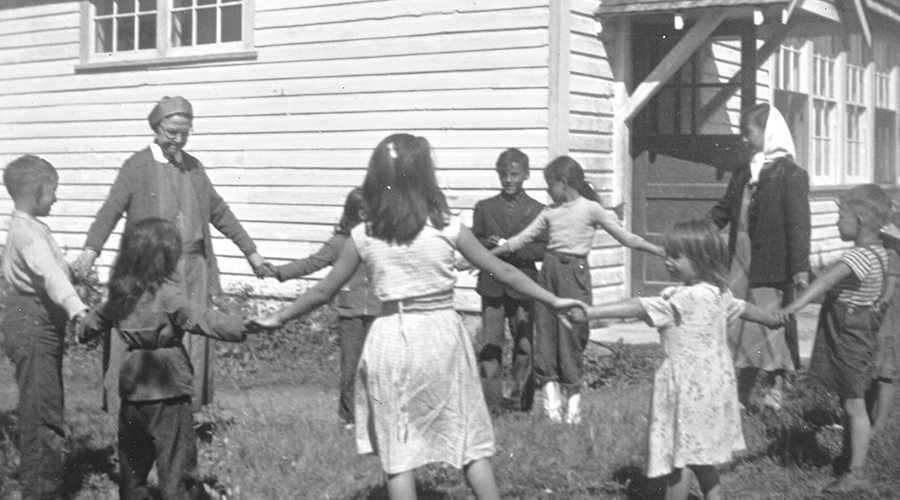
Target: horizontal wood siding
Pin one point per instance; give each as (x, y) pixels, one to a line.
(590, 138)
(286, 135)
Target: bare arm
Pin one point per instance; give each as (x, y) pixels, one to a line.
(818, 287)
(474, 252)
(628, 308)
(611, 225)
(756, 314)
(342, 270)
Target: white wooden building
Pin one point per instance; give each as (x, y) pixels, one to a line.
(290, 97)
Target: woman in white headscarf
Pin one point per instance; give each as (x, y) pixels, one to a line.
(766, 206)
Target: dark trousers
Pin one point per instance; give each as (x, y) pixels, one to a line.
(558, 351)
(161, 432)
(352, 337)
(33, 333)
(496, 312)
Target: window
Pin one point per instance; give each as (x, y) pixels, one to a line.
(856, 126)
(788, 71)
(144, 32)
(885, 113)
(823, 168)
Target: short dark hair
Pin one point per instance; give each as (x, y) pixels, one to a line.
(510, 157)
(868, 202)
(27, 174)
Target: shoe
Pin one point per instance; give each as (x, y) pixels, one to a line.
(772, 401)
(847, 482)
(553, 401)
(573, 409)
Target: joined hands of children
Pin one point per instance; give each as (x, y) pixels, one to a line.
(258, 324)
(567, 309)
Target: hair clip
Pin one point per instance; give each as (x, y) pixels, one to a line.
(391, 150)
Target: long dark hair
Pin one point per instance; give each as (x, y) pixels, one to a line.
(354, 206)
(401, 192)
(148, 255)
(700, 243)
(567, 170)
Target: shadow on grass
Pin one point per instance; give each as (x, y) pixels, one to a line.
(85, 459)
(380, 493)
(640, 487)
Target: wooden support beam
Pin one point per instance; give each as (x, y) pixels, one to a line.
(762, 55)
(863, 21)
(670, 64)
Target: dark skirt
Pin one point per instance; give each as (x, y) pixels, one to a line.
(888, 350)
(844, 354)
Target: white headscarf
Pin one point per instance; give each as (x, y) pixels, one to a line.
(777, 143)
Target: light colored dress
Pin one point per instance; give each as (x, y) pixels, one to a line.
(418, 391)
(694, 415)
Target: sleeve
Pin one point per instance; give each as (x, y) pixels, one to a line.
(858, 262)
(324, 257)
(530, 233)
(534, 250)
(607, 220)
(662, 311)
(41, 261)
(720, 213)
(117, 202)
(224, 220)
(478, 224)
(797, 220)
(197, 319)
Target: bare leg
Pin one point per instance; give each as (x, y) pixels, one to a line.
(480, 476)
(884, 392)
(858, 432)
(402, 486)
(678, 484)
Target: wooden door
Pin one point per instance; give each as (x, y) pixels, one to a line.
(683, 153)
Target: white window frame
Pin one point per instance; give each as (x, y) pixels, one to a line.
(165, 53)
(824, 120)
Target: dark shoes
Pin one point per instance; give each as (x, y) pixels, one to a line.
(847, 482)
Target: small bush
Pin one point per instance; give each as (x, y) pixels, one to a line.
(620, 364)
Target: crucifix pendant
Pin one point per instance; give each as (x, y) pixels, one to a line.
(180, 218)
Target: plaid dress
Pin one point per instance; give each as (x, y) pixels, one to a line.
(418, 392)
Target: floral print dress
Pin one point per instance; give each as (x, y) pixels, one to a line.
(694, 414)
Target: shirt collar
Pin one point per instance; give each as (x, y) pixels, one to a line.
(30, 219)
(518, 197)
(160, 157)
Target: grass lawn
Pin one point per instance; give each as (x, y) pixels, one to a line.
(273, 434)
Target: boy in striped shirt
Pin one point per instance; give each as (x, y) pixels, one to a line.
(844, 354)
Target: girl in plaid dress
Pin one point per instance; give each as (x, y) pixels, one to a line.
(418, 398)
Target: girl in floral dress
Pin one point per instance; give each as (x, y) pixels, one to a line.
(418, 397)
(695, 422)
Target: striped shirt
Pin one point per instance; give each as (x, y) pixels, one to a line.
(864, 286)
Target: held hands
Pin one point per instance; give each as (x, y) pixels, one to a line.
(261, 267)
(258, 324)
(81, 268)
(567, 309)
(801, 281)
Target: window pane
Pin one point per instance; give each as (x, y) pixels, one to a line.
(182, 3)
(125, 33)
(231, 1)
(182, 30)
(206, 2)
(147, 31)
(103, 37)
(206, 26)
(231, 23)
(124, 6)
(147, 5)
(103, 7)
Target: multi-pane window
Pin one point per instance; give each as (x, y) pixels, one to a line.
(124, 25)
(134, 30)
(856, 118)
(886, 58)
(822, 164)
(789, 67)
(200, 22)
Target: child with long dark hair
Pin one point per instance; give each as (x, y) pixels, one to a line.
(148, 308)
(356, 304)
(572, 219)
(695, 421)
(419, 396)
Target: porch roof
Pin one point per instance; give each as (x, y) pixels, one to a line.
(613, 7)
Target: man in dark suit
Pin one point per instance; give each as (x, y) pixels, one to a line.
(496, 219)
